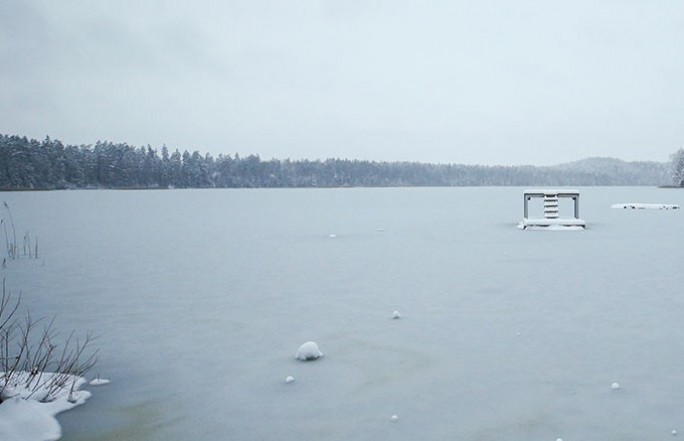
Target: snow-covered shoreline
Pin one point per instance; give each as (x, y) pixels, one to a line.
(28, 413)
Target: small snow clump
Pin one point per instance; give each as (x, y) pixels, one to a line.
(289, 379)
(394, 418)
(99, 381)
(308, 351)
(615, 386)
(396, 315)
(674, 432)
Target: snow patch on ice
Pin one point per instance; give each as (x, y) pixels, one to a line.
(24, 417)
(99, 381)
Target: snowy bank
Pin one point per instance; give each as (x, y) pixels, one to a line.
(31, 402)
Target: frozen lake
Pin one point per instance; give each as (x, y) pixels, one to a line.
(200, 299)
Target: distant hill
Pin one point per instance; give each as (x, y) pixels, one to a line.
(612, 171)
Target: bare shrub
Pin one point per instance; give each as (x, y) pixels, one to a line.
(30, 248)
(32, 362)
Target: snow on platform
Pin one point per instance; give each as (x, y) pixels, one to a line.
(640, 206)
(558, 191)
(560, 224)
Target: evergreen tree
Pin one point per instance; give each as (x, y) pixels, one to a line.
(30, 164)
(677, 164)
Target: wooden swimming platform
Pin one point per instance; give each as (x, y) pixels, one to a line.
(551, 216)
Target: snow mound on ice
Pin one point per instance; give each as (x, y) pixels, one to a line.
(308, 351)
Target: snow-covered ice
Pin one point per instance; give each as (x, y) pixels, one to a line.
(200, 298)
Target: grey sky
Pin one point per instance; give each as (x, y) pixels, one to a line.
(490, 82)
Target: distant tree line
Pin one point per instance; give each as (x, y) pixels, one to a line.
(49, 164)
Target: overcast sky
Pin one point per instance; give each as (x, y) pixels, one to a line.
(476, 82)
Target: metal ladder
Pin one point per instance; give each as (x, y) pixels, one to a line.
(551, 206)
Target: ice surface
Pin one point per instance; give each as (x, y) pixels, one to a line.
(200, 298)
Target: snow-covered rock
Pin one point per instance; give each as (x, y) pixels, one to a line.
(308, 351)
